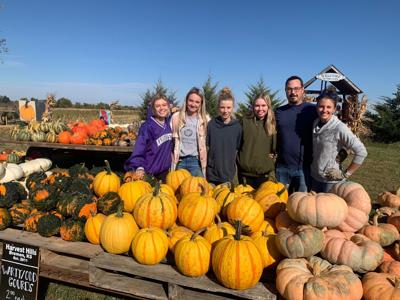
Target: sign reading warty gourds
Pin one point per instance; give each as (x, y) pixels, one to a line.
(19, 271)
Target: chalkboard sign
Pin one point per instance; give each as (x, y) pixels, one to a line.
(19, 271)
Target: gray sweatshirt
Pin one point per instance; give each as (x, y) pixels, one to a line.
(327, 142)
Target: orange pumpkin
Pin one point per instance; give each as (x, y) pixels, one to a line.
(64, 137)
(197, 209)
(175, 234)
(27, 111)
(155, 209)
(389, 199)
(106, 181)
(150, 246)
(236, 261)
(192, 255)
(391, 267)
(175, 178)
(131, 191)
(381, 286)
(246, 210)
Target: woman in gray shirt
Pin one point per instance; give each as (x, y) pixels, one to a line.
(330, 135)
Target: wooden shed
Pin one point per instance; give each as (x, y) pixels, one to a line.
(331, 78)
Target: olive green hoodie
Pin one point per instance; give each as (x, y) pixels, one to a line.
(253, 156)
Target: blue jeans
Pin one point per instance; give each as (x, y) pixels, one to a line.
(190, 163)
(296, 180)
(321, 187)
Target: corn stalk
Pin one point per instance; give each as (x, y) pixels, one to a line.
(355, 115)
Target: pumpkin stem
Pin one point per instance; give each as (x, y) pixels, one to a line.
(218, 221)
(203, 190)
(244, 182)
(156, 190)
(231, 187)
(316, 269)
(238, 229)
(194, 235)
(375, 219)
(120, 209)
(265, 231)
(108, 167)
(280, 192)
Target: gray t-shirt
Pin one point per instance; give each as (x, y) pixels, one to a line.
(188, 135)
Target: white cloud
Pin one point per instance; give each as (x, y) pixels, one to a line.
(126, 92)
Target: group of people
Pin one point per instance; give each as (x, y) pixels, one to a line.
(298, 144)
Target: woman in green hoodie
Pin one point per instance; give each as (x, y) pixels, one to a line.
(223, 140)
(257, 151)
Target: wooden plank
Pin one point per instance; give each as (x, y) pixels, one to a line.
(56, 244)
(69, 146)
(64, 268)
(167, 273)
(134, 286)
(179, 293)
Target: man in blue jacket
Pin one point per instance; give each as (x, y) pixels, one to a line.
(294, 137)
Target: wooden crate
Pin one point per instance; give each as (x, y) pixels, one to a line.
(87, 265)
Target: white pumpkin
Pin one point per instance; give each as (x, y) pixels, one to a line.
(13, 172)
(35, 165)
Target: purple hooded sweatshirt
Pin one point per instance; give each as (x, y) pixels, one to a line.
(152, 149)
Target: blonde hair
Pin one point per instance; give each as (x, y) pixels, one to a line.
(156, 97)
(202, 111)
(269, 122)
(225, 94)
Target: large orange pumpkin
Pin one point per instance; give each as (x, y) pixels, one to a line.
(389, 199)
(319, 210)
(150, 246)
(391, 267)
(197, 209)
(155, 209)
(118, 231)
(192, 255)
(315, 278)
(236, 261)
(246, 210)
(358, 202)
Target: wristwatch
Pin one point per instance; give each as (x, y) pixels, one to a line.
(347, 174)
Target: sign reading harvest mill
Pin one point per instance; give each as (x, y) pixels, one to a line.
(19, 271)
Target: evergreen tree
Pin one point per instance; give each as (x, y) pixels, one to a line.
(159, 88)
(253, 92)
(385, 121)
(211, 97)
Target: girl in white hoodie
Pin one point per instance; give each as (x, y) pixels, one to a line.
(330, 135)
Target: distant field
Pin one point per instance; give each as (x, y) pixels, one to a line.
(86, 115)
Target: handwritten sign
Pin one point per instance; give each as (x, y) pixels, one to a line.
(19, 271)
(330, 77)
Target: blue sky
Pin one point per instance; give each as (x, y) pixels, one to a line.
(93, 51)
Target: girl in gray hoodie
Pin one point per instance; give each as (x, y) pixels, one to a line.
(330, 135)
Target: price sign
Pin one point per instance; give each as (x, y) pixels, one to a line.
(19, 271)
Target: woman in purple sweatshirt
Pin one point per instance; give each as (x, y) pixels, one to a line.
(152, 153)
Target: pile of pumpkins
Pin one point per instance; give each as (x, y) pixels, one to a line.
(39, 131)
(79, 133)
(318, 244)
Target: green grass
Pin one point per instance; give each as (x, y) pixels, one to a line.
(380, 170)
